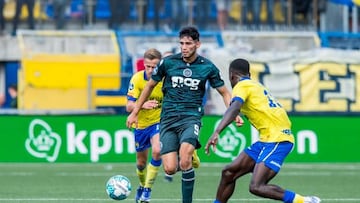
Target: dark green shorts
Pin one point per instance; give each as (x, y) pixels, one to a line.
(174, 131)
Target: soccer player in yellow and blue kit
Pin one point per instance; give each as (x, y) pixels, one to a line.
(147, 128)
(265, 157)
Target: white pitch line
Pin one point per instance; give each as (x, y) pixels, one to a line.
(163, 200)
(292, 165)
(213, 174)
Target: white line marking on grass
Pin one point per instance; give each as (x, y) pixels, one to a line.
(160, 200)
(202, 174)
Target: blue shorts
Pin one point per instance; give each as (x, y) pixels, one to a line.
(143, 137)
(272, 154)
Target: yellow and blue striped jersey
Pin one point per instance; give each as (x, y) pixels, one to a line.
(263, 111)
(146, 117)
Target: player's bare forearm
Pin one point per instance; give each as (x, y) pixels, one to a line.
(130, 105)
(131, 119)
(230, 114)
(144, 95)
(225, 94)
(150, 104)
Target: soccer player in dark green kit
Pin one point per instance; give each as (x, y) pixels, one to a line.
(184, 77)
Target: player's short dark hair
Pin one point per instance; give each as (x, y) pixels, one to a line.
(190, 31)
(241, 66)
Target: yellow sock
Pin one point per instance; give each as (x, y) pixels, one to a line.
(298, 199)
(152, 172)
(142, 176)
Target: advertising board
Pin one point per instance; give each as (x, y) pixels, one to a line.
(105, 138)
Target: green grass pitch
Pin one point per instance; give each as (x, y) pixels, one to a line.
(61, 182)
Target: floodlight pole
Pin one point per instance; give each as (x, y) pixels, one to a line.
(191, 12)
(289, 12)
(90, 12)
(141, 4)
(315, 13)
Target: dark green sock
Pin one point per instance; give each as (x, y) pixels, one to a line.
(188, 180)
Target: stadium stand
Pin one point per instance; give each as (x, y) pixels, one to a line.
(63, 69)
(115, 99)
(130, 40)
(339, 40)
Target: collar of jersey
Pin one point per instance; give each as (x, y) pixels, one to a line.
(195, 61)
(244, 78)
(145, 76)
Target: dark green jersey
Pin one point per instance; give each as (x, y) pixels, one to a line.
(184, 84)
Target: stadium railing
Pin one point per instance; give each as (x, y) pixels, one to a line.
(340, 40)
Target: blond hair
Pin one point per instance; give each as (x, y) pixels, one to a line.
(152, 54)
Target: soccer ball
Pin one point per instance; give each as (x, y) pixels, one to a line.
(118, 187)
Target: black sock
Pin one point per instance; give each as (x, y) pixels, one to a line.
(188, 180)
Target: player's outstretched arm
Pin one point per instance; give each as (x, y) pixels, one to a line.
(132, 118)
(225, 93)
(227, 99)
(149, 104)
(212, 142)
(231, 113)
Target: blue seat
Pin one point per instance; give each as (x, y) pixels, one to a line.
(102, 9)
(76, 9)
(150, 10)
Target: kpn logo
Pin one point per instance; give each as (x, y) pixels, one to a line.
(231, 142)
(42, 142)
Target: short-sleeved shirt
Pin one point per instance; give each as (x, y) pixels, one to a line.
(263, 111)
(184, 84)
(146, 117)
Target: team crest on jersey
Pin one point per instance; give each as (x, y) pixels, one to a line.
(131, 86)
(187, 72)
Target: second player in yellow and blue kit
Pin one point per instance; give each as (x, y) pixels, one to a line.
(147, 128)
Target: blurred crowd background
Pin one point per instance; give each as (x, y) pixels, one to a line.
(42, 67)
(169, 15)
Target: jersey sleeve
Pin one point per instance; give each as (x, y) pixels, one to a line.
(159, 71)
(239, 93)
(133, 90)
(215, 79)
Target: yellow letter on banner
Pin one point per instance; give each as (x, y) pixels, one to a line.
(355, 107)
(256, 70)
(311, 86)
(260, 68)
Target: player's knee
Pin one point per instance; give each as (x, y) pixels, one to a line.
(140, 166)
(156, 153)
(185, 164)
(226, 174)
(255, 189)
(140, 163)
(170, 170)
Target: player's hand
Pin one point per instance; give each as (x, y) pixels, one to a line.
(211, 142)
(150, 104)
(239, 121)
(131, 119)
